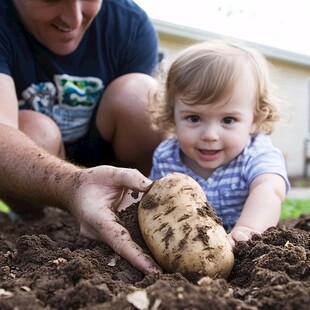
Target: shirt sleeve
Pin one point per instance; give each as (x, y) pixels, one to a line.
(267, 160)
(131, 40)
(144, 59)
(166, 159)
(5, 51)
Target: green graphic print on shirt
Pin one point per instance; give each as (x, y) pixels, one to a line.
(70, 102)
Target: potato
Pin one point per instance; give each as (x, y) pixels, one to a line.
(182, 230)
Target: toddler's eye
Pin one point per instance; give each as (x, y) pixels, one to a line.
(193, 118)
(228, 120)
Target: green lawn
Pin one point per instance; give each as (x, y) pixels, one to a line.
(3, 207)
(293, 208)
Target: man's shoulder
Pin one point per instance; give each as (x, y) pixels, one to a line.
(12, 38)
(7, 14)
(125, 8)
(121, 20)
(4, 5)
(10, 28)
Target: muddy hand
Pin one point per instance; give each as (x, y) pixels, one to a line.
(97, 198)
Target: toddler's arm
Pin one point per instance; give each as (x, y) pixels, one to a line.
(262, 208)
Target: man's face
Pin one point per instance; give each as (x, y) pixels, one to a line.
(58, 24)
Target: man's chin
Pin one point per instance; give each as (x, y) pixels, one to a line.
(63, 49)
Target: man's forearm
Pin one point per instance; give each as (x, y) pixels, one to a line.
(28, 172)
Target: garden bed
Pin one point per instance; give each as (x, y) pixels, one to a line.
(44, 264)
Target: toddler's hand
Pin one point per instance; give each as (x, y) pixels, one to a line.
(241, 233)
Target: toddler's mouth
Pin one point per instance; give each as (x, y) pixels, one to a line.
(208, 152)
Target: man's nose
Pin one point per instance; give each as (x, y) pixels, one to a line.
(72, 14)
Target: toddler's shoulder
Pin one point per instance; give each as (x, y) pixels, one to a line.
(259, 144)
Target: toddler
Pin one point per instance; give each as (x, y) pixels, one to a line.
(218, 106)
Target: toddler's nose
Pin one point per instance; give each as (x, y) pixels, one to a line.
(209, 133)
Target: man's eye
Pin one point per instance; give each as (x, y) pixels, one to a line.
(228, 120)
(193, 118)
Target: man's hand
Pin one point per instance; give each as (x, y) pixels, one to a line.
(94, 205)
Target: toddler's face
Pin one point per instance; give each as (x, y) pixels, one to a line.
(211, 135)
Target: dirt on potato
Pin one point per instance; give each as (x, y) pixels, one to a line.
(44, 264)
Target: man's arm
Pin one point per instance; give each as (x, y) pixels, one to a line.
(8, 101)
(28, 172)
(21, 159)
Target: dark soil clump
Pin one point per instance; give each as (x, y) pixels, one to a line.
(45, 264)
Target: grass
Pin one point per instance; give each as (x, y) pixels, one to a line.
(291, 209)
(3, 207)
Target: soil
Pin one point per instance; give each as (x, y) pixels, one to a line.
(45, 264)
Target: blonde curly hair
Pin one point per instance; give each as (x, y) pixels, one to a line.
(205, 73)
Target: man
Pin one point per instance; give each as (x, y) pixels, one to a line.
(73, 84)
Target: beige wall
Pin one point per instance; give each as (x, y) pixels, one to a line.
(293, 83)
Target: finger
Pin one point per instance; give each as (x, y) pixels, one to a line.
(130, 178)
(135, 255)
(118, 204)
(240, 236)
(118, 238)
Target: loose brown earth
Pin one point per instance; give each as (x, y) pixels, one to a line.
(44, 264)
